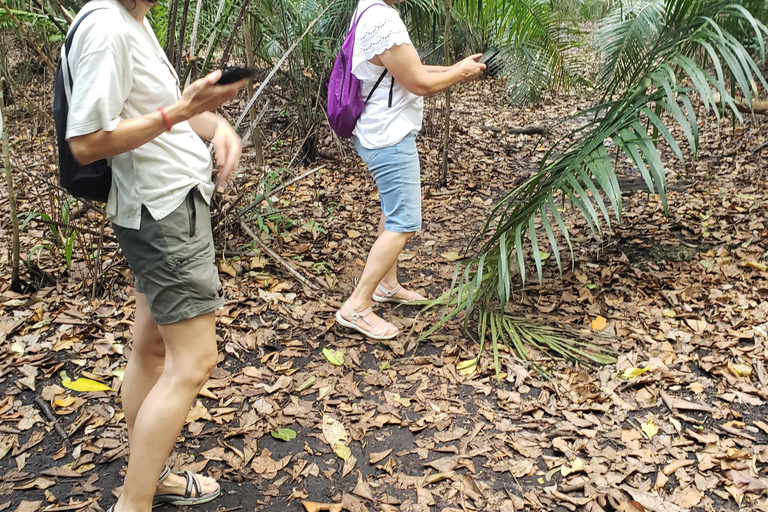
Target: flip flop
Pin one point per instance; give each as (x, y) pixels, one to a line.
(377, 332)
(389, 295)
(193, 484)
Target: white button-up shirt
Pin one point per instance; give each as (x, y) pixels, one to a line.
(120, 72)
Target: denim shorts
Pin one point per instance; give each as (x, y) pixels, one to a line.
(395, 169)
(173, 261)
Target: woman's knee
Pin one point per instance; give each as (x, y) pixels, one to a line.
(148, 343)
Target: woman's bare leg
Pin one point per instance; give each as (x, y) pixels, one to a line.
(190, 358)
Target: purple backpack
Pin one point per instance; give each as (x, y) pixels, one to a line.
(345, 104)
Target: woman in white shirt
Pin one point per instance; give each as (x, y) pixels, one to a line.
(126, 105)
(385, 139)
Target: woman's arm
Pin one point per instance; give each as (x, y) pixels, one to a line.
(227, 146)
(202, 95)
(404, 64)
(438, 69)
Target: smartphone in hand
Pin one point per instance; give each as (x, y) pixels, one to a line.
(488, 55)
(235, 74)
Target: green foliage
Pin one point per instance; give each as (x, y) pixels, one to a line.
(656, 55)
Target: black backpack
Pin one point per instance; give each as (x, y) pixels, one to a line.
(91, 181)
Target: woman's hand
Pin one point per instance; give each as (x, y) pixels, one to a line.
(227, 149)
(469, 67)
(204, 95)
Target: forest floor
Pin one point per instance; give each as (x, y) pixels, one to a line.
(684, 296)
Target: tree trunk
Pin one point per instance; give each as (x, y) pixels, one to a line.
(233, 33)
(447, 46)
(15, 281)
(170, 36)
(182, 33)
(250, 60)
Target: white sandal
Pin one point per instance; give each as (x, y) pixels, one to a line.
(377, 332)
(389, 295)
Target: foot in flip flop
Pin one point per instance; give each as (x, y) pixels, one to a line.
(184, 490)
(398, 295)
(366, 322)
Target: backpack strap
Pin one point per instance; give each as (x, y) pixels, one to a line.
(68, 45)
(376, 85)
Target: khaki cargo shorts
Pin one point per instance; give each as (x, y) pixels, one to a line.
(173, 261)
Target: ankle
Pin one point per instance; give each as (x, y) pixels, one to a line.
(359, 305)
(389, 285)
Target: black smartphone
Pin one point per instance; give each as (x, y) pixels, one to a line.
(235, 74)
(488, 55)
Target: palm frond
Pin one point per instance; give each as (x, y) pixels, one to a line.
(579, 170)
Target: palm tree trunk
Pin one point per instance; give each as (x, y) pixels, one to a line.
(15, 282)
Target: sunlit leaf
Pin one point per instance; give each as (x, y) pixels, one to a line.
(306, 384)
(82, 385)
(342, 451)
(649, 427)
(599, 323)
(633, 372)
(284, 434)
(335, 357)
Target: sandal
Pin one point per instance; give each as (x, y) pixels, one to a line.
(389, 295)
(193, 484)
(377, 332)
(175, 499)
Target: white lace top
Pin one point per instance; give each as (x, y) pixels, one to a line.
(379, 29)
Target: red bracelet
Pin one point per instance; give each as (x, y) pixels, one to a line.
(165, 118)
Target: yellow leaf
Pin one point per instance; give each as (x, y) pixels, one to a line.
(650, 427)
(342, 451)
(740, 370)
(757, 266)
(83, 385)
(632, 372)
(467, 367)
(451, 255)
(599, 323)
(65, 402)
(669, 313)
(577, 465)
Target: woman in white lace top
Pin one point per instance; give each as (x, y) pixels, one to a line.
(385, 139)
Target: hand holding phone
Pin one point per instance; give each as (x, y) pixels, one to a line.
(235, 74)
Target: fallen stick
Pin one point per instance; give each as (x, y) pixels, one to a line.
(48, 414)
(758, 106)
(529, 130)
(278, 259)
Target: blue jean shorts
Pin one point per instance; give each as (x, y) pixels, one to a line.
(397, 174)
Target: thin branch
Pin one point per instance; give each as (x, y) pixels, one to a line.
(15, 282)
(303, 280)
(26, 36)
(262, 197)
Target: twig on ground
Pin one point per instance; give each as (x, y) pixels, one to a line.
(303, 280)
(528, 130)
(47, 411)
